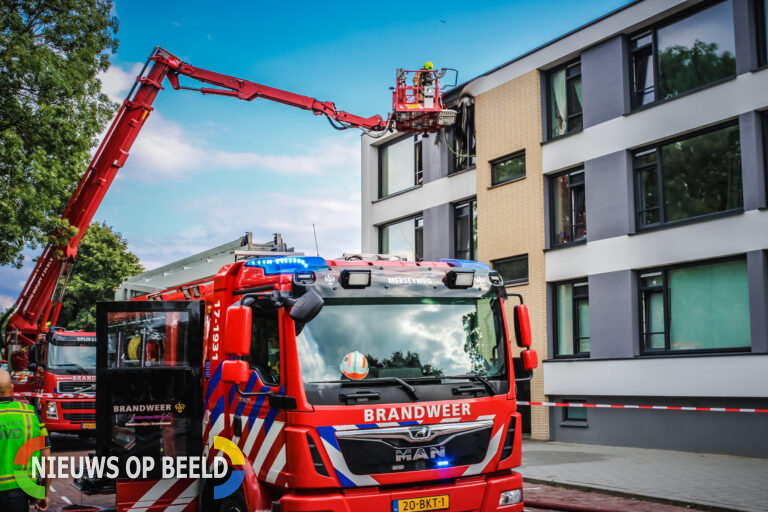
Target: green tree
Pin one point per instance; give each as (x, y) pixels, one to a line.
(103, 261)
(51, 110)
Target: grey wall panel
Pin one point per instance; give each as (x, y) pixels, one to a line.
(757, 272)
(697, 431)
(613, 315)
(608, 189)
(437, 229)
(434, 164)
(604, 81)
(746, 35)
(752, 160)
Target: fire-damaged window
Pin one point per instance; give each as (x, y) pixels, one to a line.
(265, 345)
(462, 141)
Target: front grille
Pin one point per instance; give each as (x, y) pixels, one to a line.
(419, 447)
(77, 387)
(83, 404)
(80, 417)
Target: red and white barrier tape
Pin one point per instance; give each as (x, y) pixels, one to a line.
(656, 407)
(28, 394)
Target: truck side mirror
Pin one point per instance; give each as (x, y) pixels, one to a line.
(234, 371)
(307, 307)
(237, 339)
(522, 326)
(530, 359)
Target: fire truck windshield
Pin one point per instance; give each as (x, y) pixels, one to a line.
(71, 356)
(417, 340)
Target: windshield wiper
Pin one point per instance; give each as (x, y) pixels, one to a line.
(376, 380)
(473, 376)
(85, 372)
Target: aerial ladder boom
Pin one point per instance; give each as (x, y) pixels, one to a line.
(36, 307)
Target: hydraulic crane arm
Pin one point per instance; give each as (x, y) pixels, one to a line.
(30, 315)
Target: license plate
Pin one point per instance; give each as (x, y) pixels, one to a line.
(420, 504)
(89, 425)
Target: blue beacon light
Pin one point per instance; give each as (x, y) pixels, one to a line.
(287, 265)
(443, 463)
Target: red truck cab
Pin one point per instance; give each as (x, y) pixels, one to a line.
(62, 365)
(346, 385)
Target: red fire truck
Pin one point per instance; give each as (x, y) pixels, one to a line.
(27, 330)
(346, 385)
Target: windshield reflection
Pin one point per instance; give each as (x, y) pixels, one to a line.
(72, 356)
(405, 339)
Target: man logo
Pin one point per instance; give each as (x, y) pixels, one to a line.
(420, 433)
(179, 407)
(236, 477)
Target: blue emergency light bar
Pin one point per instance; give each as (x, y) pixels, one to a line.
(287, 265)
(466, 264)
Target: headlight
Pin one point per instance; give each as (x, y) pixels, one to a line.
(51, 411)
(512, 497)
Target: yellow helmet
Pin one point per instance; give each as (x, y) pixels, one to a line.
(428, 65)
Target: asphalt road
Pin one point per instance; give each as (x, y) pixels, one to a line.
(65, 496)
(63, 493)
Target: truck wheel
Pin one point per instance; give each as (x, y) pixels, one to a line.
(233, 503)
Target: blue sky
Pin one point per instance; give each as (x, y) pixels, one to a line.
(206, 169)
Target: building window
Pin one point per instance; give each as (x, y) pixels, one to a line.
(513, 270)
(509, 168)
(572, 319)
(465, 230)
(680, 56)
(403, 238)
(418, 163)
(574, 416)
(569, 212)
(463, 147)
(691, 177)
(761, 14)
(565, 99)
(399, 166)
(701, 307)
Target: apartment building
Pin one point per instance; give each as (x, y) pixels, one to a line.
(624, 166)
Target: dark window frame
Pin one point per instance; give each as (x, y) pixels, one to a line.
(762, 32)
(472, 206)
(417, 159)
(555, 244)
(664, 289)
(511, 156)
(550, 102)
(513, 282)
(418, 230)
(636, 170)
(583, 285)
(653, 30)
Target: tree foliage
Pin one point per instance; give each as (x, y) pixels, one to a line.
(103, 261)
(51, 109)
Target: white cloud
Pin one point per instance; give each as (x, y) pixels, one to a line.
(335, 213)
(117, 80)
(6, 302)
(166, 149)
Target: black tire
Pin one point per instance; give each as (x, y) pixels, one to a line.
(232, 503)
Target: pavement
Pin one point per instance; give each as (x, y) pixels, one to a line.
(707, 481)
